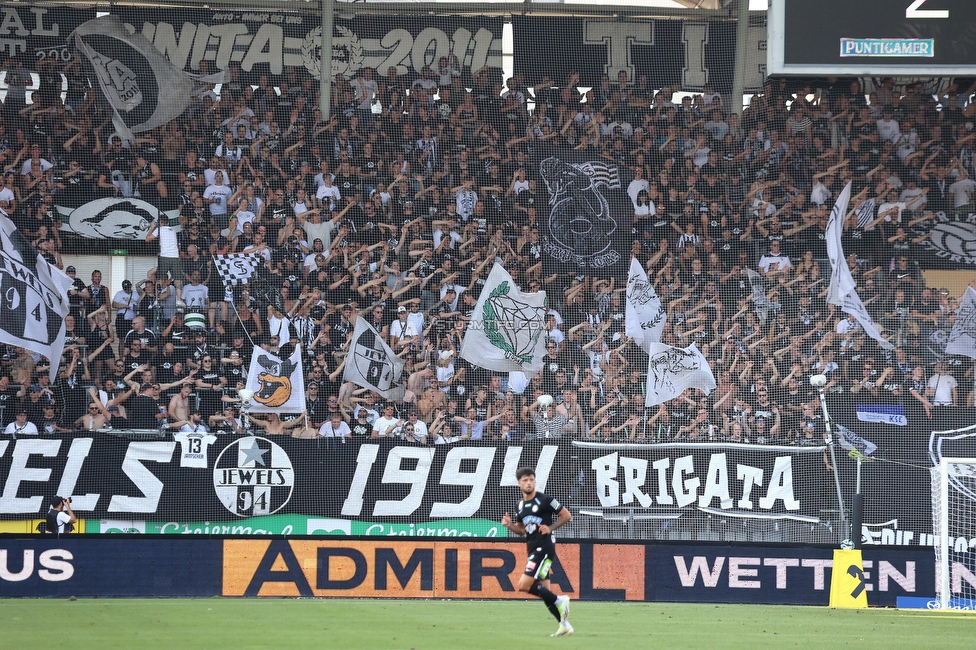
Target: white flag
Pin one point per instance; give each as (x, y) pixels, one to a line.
(671, 370)
(372, 364)
(236, 268)
(507, 328)
(842, 286)
(644, 316)
(33, 297)
(140, 84)
(962, 338)
(278, 384)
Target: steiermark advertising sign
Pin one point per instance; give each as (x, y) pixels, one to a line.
(291, 524)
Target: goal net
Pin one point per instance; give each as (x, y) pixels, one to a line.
(954, 525)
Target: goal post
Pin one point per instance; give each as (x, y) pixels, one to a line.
(953, 519)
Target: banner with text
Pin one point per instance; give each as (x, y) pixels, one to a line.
(686, 53)
(262, 42)
(32, 34)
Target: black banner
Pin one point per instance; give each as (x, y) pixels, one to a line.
(223, 478)
(734, 480)
(692, 486)
(590, 220)
(34, 34)
(685, 53)
(263, 42)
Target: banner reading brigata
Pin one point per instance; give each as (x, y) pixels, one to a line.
(262, 42)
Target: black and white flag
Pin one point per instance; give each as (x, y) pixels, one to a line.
(671, 371)
(850, 440)
(143, 88)
(585, 229)
(842, 291)
(112, 218)
(33, 297)
(372, 364)
(236, 268)
(962, 338)
(763, 304)
(644, 317)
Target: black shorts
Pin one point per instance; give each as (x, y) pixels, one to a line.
(539, 563)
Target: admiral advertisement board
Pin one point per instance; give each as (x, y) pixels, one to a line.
(262, 42)
(457, 569)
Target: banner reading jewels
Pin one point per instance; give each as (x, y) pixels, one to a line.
(262, 42)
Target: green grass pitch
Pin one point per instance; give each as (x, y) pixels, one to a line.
(425, 625)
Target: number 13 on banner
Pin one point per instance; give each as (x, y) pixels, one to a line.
(847, 588)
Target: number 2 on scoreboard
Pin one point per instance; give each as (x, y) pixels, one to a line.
(913, 11)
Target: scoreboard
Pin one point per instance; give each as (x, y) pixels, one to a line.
(872, 37)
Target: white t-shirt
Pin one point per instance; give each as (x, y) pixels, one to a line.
(194, 445)
(943, 385)
(195, 296)
(168, 243)
(29, 429)
(221, 193)
(326, 430)
(6, 195)
(962, 192)
(130, 299)
(382, 424)
(332, 193)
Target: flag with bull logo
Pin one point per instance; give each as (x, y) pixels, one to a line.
(671, 370)
(278, 384)
(138, 82)
(590, 222)
(33, 297)
(507, 328)
(372, 364)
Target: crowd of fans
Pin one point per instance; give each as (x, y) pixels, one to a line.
(395, 208)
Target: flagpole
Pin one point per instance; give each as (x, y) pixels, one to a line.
(819, 382)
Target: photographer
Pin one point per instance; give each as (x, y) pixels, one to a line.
(60, 517)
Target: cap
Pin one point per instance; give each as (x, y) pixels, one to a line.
(401, 309)
(126, 284)
(35, 388)
(71, 269)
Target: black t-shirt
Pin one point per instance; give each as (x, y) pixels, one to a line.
(541, 509)
(142, 412)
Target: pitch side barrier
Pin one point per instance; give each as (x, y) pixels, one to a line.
(362, 567)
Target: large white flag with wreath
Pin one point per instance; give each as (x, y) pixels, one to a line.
(507, 328)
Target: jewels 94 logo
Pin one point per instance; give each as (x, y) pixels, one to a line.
(253, 476)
